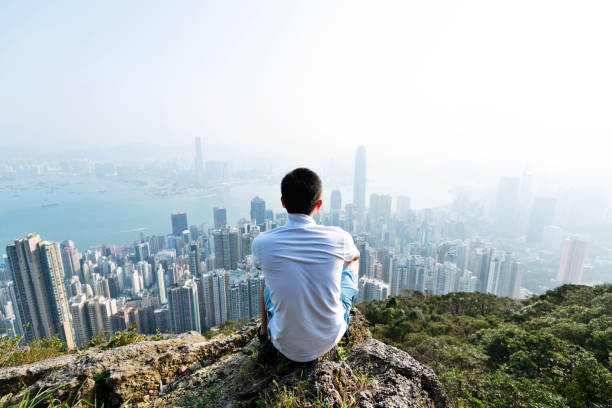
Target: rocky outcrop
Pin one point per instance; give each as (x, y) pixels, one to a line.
(233, 371)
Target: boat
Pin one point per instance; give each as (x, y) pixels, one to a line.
(45, 205)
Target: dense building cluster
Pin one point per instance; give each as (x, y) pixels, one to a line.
(200, 276)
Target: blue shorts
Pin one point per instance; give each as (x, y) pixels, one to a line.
(348, 290)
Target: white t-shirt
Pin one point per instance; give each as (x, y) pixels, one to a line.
(302, 266)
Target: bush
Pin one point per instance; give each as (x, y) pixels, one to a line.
(124, 337)
(11, 354)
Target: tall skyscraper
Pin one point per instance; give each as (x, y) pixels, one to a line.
(38, 270)
(359, 187)
(199, 162)
(542, 214)
(336, 200)
(179, 223)
(258, 210)
(220, 217)
(572, 260)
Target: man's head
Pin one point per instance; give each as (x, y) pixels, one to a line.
(301, 191)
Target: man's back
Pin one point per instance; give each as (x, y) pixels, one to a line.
(302, 266)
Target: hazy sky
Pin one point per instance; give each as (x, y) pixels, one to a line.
(442, 81)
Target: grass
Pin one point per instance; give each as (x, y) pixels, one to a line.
(46, 398)
(209, 395)
(12, 354)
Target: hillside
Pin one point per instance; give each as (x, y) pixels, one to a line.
(229, 371)
(553, 350)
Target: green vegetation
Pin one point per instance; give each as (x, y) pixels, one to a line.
(12, 354)
(124, 337)
(552, 350)
(46, 398)
(226, 328)
(158, 336)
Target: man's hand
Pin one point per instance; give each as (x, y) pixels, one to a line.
(352, 262)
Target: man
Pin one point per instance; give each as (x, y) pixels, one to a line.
(309, 274)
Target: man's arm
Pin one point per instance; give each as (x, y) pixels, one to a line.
(352, 262)
(262, 307)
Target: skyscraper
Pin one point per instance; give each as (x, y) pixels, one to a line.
(572, 260)
(179, 223)
(336, 200)
(542, 214)
(335, 208)
(220, 217)
(199, 162)
(38, 270)
(258, 210)
(359, 188)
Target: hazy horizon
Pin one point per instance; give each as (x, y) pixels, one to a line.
(449, 84)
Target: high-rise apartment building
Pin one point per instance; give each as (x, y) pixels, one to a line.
(359, 187)
(244, 298)
(572, 260)
(161, 285)
(227, 248)
(70, 259)
(216, 297)
(184, 307)
(444, 279)
(179, 223)
(258, 210)
(38, 270)
(371, 289)
(220, 217)
(195, 263)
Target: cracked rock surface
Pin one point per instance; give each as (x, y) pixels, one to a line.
(234, 371)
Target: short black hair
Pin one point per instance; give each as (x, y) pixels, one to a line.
(301, 190)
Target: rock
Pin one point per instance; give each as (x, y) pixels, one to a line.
(231, 371)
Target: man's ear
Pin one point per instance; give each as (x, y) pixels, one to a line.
(319, 204)
(283, 203)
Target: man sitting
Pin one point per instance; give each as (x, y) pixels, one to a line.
(309, 274)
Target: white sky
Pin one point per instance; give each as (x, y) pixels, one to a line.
(496, 83)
